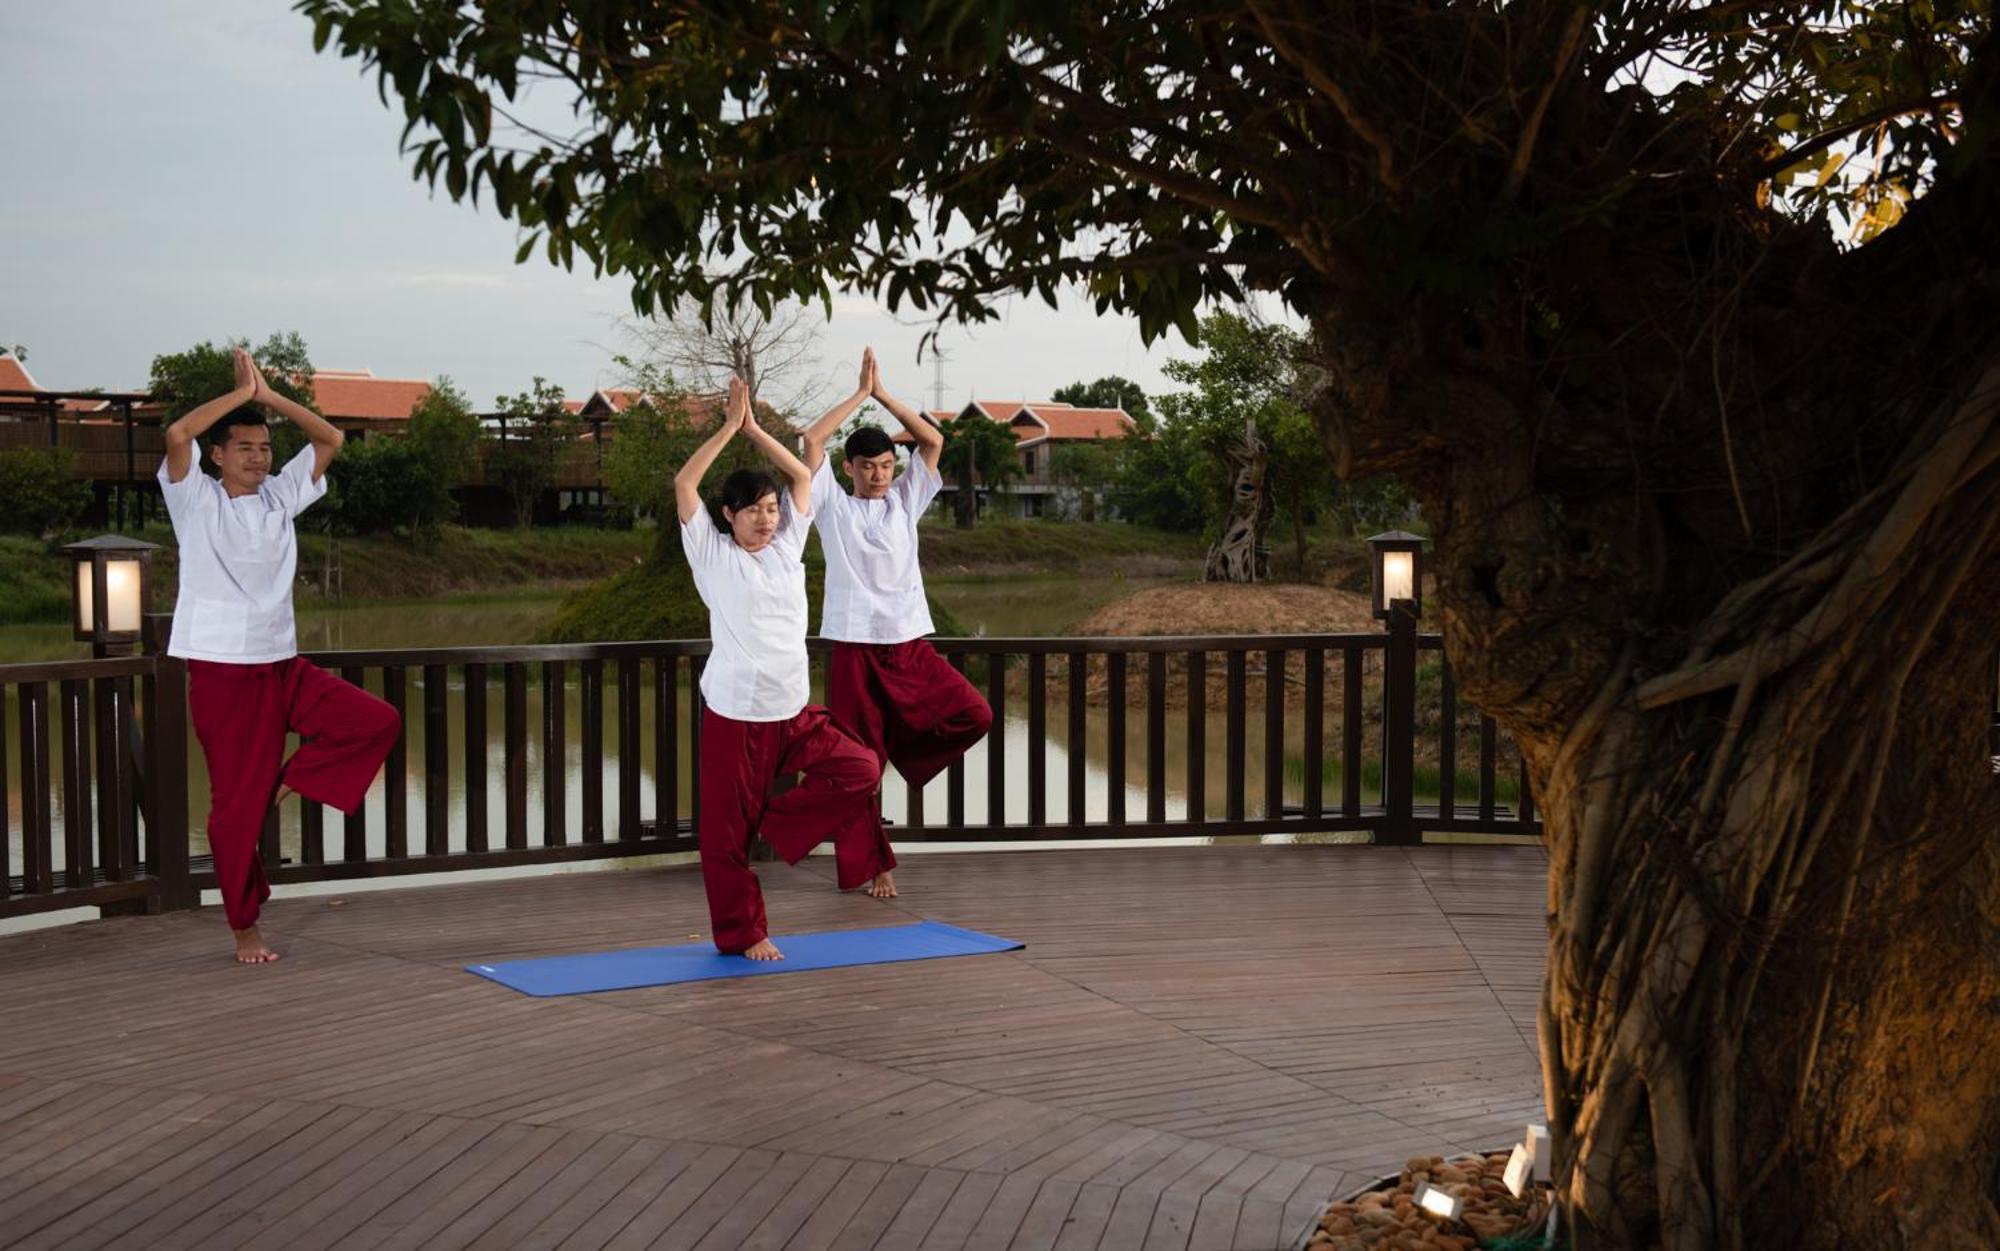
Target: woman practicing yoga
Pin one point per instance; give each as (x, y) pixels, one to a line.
(748, 567)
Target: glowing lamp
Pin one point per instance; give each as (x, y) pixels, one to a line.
(112, 580)
(1399, 571)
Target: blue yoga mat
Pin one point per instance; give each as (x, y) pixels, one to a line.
(701, 962)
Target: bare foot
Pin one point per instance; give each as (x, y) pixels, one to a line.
(765, 950)
(251, 948)
(284, 793)
(883, 887)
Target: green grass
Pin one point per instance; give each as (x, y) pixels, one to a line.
(658, 600)
(34, 582)
(459, 562)
(1052, 544)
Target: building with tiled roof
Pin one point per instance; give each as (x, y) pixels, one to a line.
(1039, 428)
(356, 398)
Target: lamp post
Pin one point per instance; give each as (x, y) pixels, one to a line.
(1399, 597)
(112, 589)
(1398, 572)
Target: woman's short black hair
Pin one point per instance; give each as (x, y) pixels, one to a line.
(868, 441)
(739, 491)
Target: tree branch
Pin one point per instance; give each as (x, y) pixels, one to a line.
(1322, 82)
(1572, 39)
(1827, 138)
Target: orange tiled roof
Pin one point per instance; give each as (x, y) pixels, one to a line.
(14, 376)
(1034, 422)
(358, 395)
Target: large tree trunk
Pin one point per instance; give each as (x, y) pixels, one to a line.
(1745, 633)
(1240, 553)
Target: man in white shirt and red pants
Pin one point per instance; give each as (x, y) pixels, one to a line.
(247, 686)
(885, 683)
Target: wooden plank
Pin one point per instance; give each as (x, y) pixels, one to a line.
(696, 708)
(954, 785)
(666, 743)
(1314, 800)
(1038, 738)
(79, 858)
(1274, 733)
(1076, 750)
(1114, 759)
(996, 740)
(1156, 737)
(1197, 735)
(472, 758)
(629, 761)
(1235, 734)
(1350, 732)
(590, 679)
(37, 826)
(1447, 742)
(515, 755)
(555, 755)
(437, 761)
(396, 770)
(1488, 751)
(354, 825)
(6, 809)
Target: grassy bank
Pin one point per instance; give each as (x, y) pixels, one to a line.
(1058, 546)
(658, 600)
(34, 576)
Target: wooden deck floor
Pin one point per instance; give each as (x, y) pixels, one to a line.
(1197, 1048)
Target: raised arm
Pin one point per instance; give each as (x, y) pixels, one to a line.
(687, 482)
(830, 422)
(325, 437)
(930, 440)
(779, 455)
(182, 435)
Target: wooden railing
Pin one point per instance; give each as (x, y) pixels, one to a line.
(541, 754)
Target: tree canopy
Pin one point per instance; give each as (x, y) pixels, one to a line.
(1680, 317)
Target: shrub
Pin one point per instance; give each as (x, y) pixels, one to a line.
(39, 490)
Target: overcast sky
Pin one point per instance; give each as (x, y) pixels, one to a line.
(180, 170)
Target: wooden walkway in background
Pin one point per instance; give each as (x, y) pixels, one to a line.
(1198, 1047)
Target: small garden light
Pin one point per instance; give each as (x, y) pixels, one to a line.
(1399, 571)
(113, 591)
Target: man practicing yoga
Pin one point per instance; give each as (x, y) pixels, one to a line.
(247, 686)
(748, 566)
(885, 683)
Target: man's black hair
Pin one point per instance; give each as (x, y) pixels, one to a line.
(739, 491)
(869, 441)
(218, 434)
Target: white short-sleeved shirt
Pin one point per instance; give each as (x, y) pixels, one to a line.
(756, 601)
(237, 559)
(874, 586)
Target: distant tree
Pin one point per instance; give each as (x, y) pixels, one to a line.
(977, 452)
(539, 432)
(1089, 467)
(1110, 391)
(40, 493)
(443, 435)
(702, 347)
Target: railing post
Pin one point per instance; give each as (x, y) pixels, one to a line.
(1399, 679)
(166, 781)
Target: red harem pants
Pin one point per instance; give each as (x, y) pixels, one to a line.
(241, 714)
(835, 799)
(906, 704)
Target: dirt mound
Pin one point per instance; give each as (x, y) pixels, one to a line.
(1233, 608)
